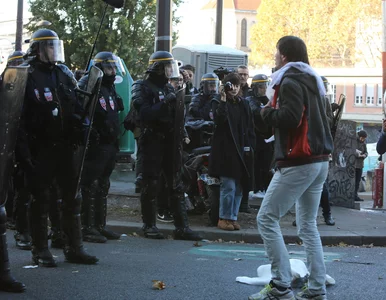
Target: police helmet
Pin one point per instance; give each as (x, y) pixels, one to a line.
(259, 81)
(107, 61)
(163, 63)
(46, 46)
(209, 84)
(15, 59)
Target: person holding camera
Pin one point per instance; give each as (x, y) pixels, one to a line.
(232, 149)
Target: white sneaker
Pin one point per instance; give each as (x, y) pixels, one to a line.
(260, 194)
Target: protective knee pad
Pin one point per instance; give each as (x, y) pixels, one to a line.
(149, 188)
(104, 185)
(91, 190)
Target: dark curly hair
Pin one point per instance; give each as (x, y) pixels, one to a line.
(362, 133)
(234, 78)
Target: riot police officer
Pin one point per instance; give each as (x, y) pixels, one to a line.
(102, 151)
(15, 59)
(50, 131)
(155, 102)
(200, 107)
(264, 151)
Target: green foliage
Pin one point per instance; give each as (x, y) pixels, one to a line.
(330, 29)
(128, 32)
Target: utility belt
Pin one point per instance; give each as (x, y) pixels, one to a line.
(156, 132)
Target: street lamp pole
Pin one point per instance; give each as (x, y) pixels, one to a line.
(19, 25)
(163, 29)
(219, 11)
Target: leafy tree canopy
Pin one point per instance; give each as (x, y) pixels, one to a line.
(333, 30)
(128, 32)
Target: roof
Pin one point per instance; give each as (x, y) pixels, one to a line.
(235, 4)
(210, 48)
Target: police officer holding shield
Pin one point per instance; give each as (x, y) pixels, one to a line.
(50, 131)
(102, 151)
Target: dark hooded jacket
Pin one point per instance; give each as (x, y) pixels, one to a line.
(234, 132)
(301, 126)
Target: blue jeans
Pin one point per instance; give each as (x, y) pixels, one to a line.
(231, 193)
(301, 185)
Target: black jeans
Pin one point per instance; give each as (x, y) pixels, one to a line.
(325, 199)
(358, 177)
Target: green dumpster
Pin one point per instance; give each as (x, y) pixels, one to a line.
(123, 84)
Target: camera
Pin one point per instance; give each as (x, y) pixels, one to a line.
(228, 86)
(222, 72)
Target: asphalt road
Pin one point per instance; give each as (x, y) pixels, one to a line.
(127, 268)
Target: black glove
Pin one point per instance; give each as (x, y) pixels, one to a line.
(170, 98)
(94, 137)
(334, 106)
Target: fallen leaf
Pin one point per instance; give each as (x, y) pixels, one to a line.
(197, 244)
(158, 285)
(341, 244)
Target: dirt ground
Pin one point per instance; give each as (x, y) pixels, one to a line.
(129, 210)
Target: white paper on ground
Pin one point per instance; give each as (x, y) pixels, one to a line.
(298, 269)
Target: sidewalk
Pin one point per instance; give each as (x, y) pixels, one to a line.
(353, 227)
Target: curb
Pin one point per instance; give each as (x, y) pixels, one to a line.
(251, 235)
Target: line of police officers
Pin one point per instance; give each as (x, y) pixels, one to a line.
(52, 130)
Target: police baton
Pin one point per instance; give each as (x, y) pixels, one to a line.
(113, 3)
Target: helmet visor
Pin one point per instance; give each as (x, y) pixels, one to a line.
(110, 64)
(171, 69)
(210, 86)
(51, 51)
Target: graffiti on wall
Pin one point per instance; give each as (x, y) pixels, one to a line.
(341, 179)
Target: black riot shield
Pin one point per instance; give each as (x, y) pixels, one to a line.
(90, 98)
(12, 91)
(179, 122)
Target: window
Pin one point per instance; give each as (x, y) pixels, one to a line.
(370, 89)
(358, 94)
(333, 92)
(379, 94)
(244, 33)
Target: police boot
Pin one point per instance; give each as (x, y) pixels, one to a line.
(22, 235)
(101, 213)
(7, 282)
(40, 254)
(149, 210)
(89, 229)
(74, 251)
(328, 219)
(182, 231)
(56, 235)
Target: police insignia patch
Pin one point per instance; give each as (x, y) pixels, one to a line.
(37, 94)
(102, 101)
(111, 103)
